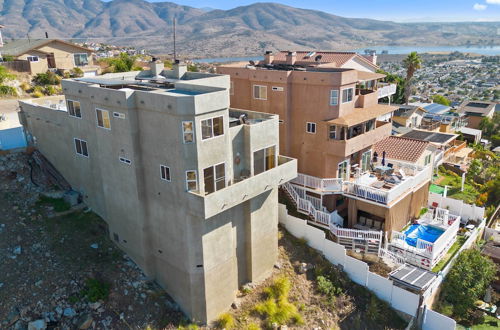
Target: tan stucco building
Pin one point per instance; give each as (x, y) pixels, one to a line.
(330, 119)
(188, 186)
(39, 55)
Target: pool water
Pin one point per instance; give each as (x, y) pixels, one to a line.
(424, 232)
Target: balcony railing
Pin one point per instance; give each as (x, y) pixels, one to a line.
(413, 177)
(385, 90)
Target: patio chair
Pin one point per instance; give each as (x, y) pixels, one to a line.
(362, 220)
(369, 223)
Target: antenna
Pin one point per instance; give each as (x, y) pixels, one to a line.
(175, 54)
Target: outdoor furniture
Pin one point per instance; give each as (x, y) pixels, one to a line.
(362, 220)
(369, 223)
(377, 225)
(378, 184)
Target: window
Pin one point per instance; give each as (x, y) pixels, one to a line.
(188, 131)
(215, 178)
(191, 181)
(33, 58)
(369, 125)
(119, 115)
(125, 160)
(81, 147)
(260, 92)
(343, 170)
(103, 118)
(332, 133)
(81, 59)
(74, 109)
(347, 95)
(311, 128)
(212, 127)
(427, 159)
(165, 173)
(334, 97)
(365, 160)
(264, 159)
(231, 87)
(277, 89)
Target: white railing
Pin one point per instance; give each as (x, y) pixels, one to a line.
(438, 158)
(355, 233)
(316, 202)
(305, 206)
(332, 184)
(444, 240)
(366, 192)
(394, 257)
(386, 90)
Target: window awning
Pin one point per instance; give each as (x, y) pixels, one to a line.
(360, 115)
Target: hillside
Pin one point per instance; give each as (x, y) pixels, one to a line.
(240, 31)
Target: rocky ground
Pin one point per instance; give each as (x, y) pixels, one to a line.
(47, 259)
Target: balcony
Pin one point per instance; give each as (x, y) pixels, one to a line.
(385, 189)
(345, 148)
(248, 188)
(366, 98)
(385, 90)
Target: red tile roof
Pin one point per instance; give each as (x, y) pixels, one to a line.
(400, 148)
(339, 58)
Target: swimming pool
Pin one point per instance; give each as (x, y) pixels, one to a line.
(424, 232)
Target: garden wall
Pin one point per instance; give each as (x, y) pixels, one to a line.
(458, 207)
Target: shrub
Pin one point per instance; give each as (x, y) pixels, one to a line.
(253, 326)
(276, 308)
(326, 287)
(37, 94)
(51, 90)
(58, 204)
(5, 75)
(467, 281)
(8, 90)
(47, 78)
(423, 211)
(225, 321)
(96, 290)
(76, 72)
(25, 86)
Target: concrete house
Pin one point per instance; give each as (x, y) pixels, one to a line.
(39, 55)
(187, 185)
(330, 119)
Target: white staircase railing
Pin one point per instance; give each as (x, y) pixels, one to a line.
(392, 257)
(330, 185)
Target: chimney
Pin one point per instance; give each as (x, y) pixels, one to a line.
(291, 57)
(268, 57)
(374, 58)
(179, 69)
(156, 67)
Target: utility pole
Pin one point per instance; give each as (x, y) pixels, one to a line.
(175, 54)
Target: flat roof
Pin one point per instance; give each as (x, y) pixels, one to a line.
(412, 277)
(360, 115)
(436, 108)
(434, 137)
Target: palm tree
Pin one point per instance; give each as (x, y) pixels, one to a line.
(412, 63)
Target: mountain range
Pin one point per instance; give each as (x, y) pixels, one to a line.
(246, 30)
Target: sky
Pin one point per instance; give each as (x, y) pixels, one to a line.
(395, 10)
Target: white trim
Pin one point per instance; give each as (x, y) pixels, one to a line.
(33, 56)
(212, 133)
(342, 95)
(348, 167)
(118, 115)
(264, 148)
(215, 176)
(80, 106)
(169, 173)
(86, 145)
(277, 89)
(97, 119)
(195, 180)
(338, 95)
(192, 131)
(330, 132)
(74, 62)
(313, 127)
(253, 92)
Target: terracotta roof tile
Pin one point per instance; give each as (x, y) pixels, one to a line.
(400, 148)
(339, 58)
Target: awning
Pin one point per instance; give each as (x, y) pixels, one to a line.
(360, 115)
(366, 76)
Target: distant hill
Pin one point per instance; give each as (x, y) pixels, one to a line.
(245, 30)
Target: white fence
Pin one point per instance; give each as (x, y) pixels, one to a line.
(433, 320)
(465, 211)
(386, 90)
(357, 270)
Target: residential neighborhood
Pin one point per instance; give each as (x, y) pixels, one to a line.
(296, 188)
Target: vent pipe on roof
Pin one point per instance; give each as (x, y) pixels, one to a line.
(46, 35)
(156, 67)
(268, 57)
(291, 57)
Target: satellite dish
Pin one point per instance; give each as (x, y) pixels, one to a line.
(317, 58)
(252, 63)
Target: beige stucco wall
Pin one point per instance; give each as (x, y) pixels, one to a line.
(63, 54)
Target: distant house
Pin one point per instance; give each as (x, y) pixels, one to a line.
(476, 111)
(408, 115)
(404, 149)
(39, 55)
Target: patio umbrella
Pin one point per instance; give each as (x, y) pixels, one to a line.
(383, 158)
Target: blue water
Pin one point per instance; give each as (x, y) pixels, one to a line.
(426, 233)
(488, 50)
(12, 138)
